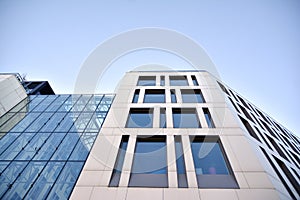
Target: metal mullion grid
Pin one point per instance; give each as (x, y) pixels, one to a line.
(75, 147)
(16, 177)
(56, 96)
(60, 104)
(29, 132)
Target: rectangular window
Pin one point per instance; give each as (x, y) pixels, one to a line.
(140, 118)
(116, 174)
(162, 120)
(209, 120)
(192, 96)
(162, 81)
(173, 96)
(147, 81)
(136, 96)
(185, 118)
(180, 164)
(149, 168)
(178, 81)
(211, 165)
(154, 96)
(195, 82)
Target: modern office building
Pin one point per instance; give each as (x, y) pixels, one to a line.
(163, 135)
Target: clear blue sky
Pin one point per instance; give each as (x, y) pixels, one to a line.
(255, 44)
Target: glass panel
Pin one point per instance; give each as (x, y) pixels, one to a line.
(65, 148)
(136, 96)
(149, 168)
(147, 81)
(45, 181)
(66, 122)
(80, 104)
(57, 103)
(17, 146)
(7, 140)
(180, 164)
(178, 81)
(140, 118)
(192, 96)
(173, 96)
(116, 174)
(54, 121)
(162, 81)
(208, 157)
(81, 150)
(163, 122)
(39, 122)
(45, 103)
(66, 181)
(195, 82)
(210, 122)
(10, 174)
(68, 104)
(185, 118)
(154, 96)
(33, 146)
(48, 149)
(20, 121)
(24, 181)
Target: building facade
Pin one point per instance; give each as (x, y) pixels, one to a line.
(163, 135)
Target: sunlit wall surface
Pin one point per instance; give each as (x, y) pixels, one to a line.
(45, 141)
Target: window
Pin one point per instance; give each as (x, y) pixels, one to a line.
(211, 165)
(154, 96)
(180, 164)
(178, 81)
(173, 96)
(147, 81)
(162, 119)
(195, 82)
(116, 174)
(192, 96)
(136, 96)
(140, 118)
(209, 121)
(185, 118)
(162, 81)
(149, 168)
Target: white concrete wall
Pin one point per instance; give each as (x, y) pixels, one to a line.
(254, 181)
(11, 93)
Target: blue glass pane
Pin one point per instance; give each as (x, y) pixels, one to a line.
(178, 81)
(57, 103)
(81, 150)
(150, 158)
(66, 181)
(54, 121)
(162, 81)
(147, 81)
(68, 104)
(208, 118)
(3, 165)
(16, 146)
(95, 122)
(208, 158)
(46, 151)
(66, 123)
(45, 181)
(173, 97)
(39, 122)
(21, 107)
(192, 96)
(195, 82)
(185, 119)
(82, 121)
(154, 96)
(81, 103)
(27, 119)
(65, 148)
(7, 140)
(162, 123)
(136, 96)
(45, 103)
(140, 118)
(10, 174)
(24, 181)
(33, 147)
